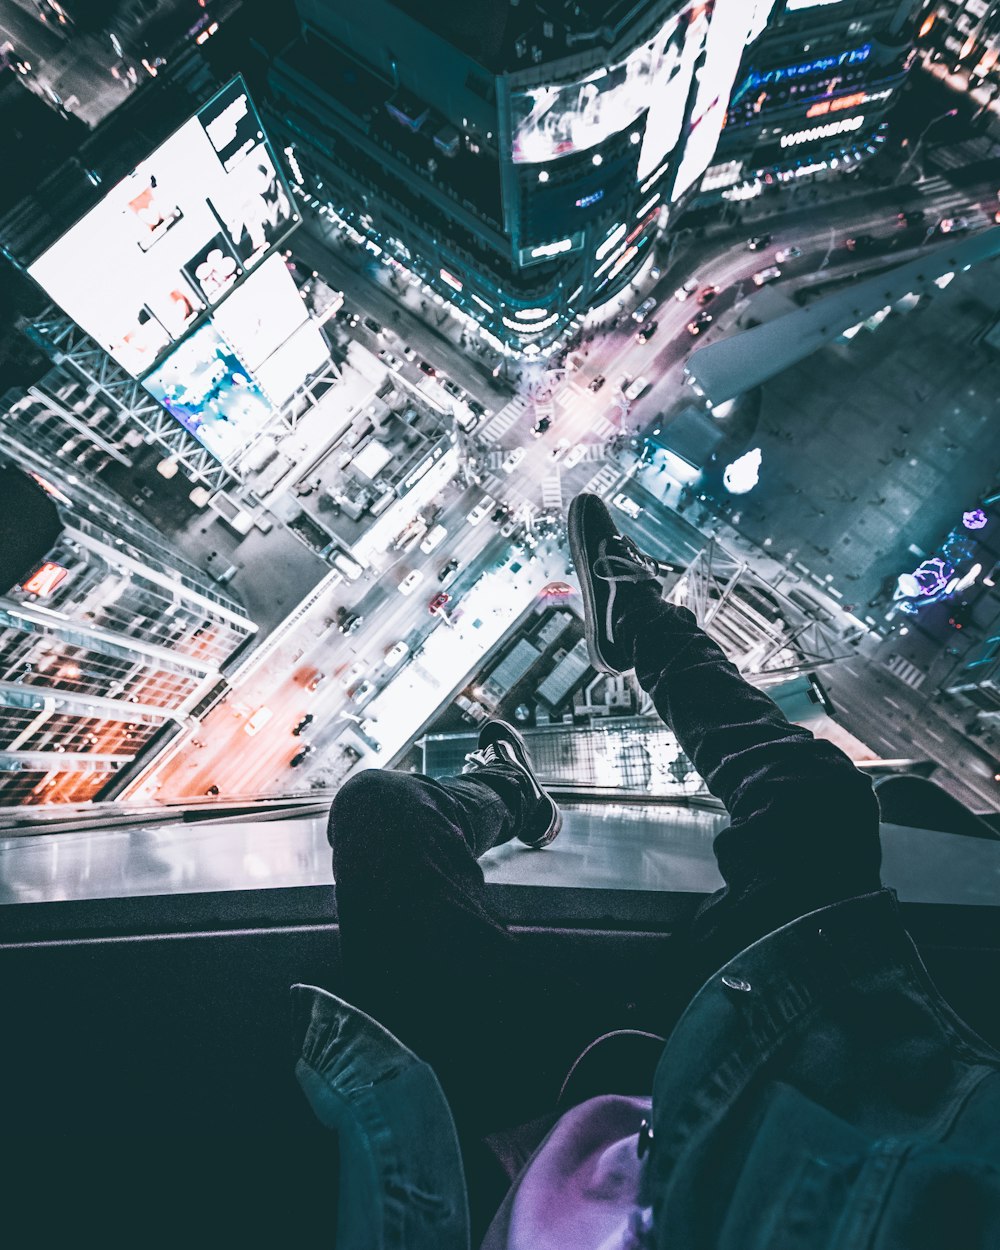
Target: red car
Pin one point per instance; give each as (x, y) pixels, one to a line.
(438, 602)
(424, 367)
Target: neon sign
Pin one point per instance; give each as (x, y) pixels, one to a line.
(853, 57)
(827, 131)
(45, 579)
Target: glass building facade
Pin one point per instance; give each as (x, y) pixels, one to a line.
(110, 643)
(519, 168)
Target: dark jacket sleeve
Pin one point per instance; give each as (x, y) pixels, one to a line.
(804, 829)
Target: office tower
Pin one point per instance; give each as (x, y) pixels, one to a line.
(110, 642)
(517, 159)
(812, 94)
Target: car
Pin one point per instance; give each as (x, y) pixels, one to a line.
(438, 602)
(301, 755)
(596, 383)
(635, 389)
(481, 510)
(512, 459)
(424, 367)
(911, 217)
(433, 539)
(787, 253)
(687, 290)
(410, 582)
(646, 332)
(644, 309)
(306, 720)
(560, 449)
(453, 388)
(628, 506)
(447, 570)
(315, 681)
(354, 673)
(371, 324)
(387, 358)
(476, 408)
(953, 225)
(212, 789)
(541, 426)
(508, 527)
(257, 721)
(763, 276)
(860, 242)
(396, 654)
(757, 241)
(361, 693)
(707, 294)
(348, 622)
(574, 456)
(408, 352)
(700, 324)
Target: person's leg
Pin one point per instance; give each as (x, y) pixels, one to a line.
(804, 828)
(422, 951)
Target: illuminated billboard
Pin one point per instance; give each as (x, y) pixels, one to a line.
(735, 23)
(211, 392)
(558, 119)
(172, 239)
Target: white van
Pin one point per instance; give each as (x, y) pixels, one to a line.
(433, 539)
(350, 568)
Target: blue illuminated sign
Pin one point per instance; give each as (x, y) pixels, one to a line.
(853, 57)
(590, 199)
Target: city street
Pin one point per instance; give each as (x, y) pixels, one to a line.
(589, 420)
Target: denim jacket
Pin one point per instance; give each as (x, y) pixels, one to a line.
(816, 1093)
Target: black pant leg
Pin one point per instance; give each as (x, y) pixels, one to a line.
(424, 954)
(804, 829)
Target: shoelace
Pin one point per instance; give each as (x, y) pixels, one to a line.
(620, 560)
(485, 758)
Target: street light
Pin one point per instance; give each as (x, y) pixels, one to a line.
(916, 147)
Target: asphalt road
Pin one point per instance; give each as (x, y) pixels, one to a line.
(579, 416)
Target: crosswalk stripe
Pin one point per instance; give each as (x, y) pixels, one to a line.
(552, 496)
(504, 419)
(907, 673)
(601, 427)
(602, 481)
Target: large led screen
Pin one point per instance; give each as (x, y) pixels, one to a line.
(174, 237)
(735, 23)
(555, 120)
(205, 385)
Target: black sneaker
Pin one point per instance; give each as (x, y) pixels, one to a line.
(604, 560)
(500, 743)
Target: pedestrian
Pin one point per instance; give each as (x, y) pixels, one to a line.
(816, 1033)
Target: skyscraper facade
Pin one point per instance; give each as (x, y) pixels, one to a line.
(109, 642)
(812, 94)
(516, 158)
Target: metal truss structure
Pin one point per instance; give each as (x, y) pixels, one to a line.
(77, 353)
(760, 629)
(134, 408)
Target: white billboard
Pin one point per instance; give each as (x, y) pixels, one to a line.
(173, 238)
(560, 118)
(735, 23)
